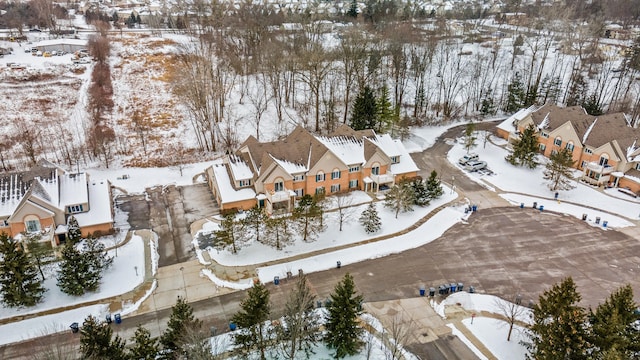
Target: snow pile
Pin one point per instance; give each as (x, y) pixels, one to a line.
(242, 285)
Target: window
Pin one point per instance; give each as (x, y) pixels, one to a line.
(637, 168)
(299, 192)
(395, 159)
(278, 186)
(588, 151)
(320, 190)
(335, 174)
(4, 222)
(353, 184)
(542, 147)
(544, 134)
(557, 141)
(74, 209)
(569, 146)
(354, 168)
(320, 177)
(335, 188)
(584, 164)
(604, 160)
(244, 183)
(32, 225)
(375, 170)
(299, 177)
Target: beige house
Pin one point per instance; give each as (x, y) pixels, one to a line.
(42, 200)
(273, 174)
(604, 147)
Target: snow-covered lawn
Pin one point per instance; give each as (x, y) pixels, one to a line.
(493, 334)
(509, 178)
(118, 279)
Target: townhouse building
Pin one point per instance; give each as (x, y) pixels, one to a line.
(604, 147)
(274, 174)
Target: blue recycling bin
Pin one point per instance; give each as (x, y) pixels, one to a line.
(605, 223)
(521, 205)
(474, 208)
(276, 280)
(117, 318)
(422, 291)
(453, 287)
(232, 326)
(556, 196)
(541, 208)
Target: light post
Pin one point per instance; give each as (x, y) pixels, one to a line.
(184, 284)
(453, 186)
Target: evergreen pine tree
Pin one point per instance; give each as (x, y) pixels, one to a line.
(300, 329)
(353, 9)
(308, 218)
(342, 328)
(516, 96)
(592, 106)
(525, 149)
(577, 90)
(399, 198)
(613, 325)
(19, 281)
(558, 170)
(487, 107)
(370, 220)
(96, 341)
(364, 114)
(277, 233)
(231, 234)
(73, 230)
(181, 319)
(469, 139)
(144, 347)
(254, 220)
(251, 320)
(434, 187)
(420, 193)
(558, 330)
(81, 271)
(386, 114)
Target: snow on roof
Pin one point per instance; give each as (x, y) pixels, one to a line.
(406, 164)
(388, 145)
(586, 133)
(508, 123)
(73, 189)
(239, 168)
(50, 186)
(12, 189)
(349, 150)
(289, 167)
(100, 205)
(227, 192)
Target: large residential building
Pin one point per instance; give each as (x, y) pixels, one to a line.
(42, 200)
(273, 174)
(604, 147)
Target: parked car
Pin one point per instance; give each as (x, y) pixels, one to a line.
(475, 165)
(468, 158)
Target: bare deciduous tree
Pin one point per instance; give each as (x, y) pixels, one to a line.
(512, 312)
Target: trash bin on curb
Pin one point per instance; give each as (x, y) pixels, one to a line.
(541, 208)
(556, 196)
(584, 217)
(605, 223)
(108, 318)
(232, 326)
(432, 292)
(319, 304)
(453, 287)
(597, 220)
(117, 318)
(276, 280)
(535, 204)
(460, 286)
(422, 291)
(474, 208)
(472, 289)
(75, 327)
(521, 205)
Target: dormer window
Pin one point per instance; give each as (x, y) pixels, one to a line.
(395, 159)
(74, 209)
(298, 177)
(354, 168)
(245, 183)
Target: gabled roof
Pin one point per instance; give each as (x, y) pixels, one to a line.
(346, 148)
(346, 130)
(239, 168)
(226, 190)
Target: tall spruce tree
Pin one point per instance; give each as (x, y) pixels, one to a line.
(558, 330)
(399, 198)
(73, 230)
(370, 220)
(613, 326)
(364, 114)
(97, 342)
(420, 193)
(558, 170)
(516, 96)
(180, 320)
(300, 329)
(253, 331)
(434, 186)
(469, 140)
(81, 271)
(353, 9)
(19, 281)
(144, 347)
(39, 251)
(342, 328)
(231, 234)
(386, 114)
(525, 149)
